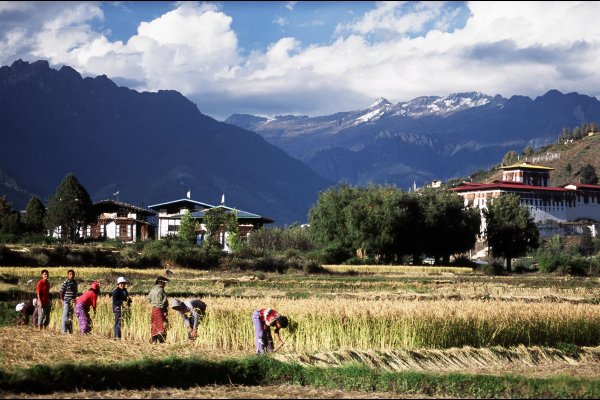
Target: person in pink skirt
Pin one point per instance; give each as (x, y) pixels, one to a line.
(82, 307)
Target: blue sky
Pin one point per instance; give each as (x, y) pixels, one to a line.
(313, 58)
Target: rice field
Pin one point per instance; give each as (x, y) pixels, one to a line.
(396, 318)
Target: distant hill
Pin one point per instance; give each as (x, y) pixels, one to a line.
(576, 154)
(423, 139)
(151, 147)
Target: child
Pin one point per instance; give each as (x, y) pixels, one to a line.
(42, 292)
(120, 298)
(83, 305)
(67, 293)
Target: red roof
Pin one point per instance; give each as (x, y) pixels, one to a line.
(583, 186)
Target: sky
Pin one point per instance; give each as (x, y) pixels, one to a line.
(313, 57)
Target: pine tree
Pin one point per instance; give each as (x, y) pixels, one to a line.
(35, 215)
(70, 208)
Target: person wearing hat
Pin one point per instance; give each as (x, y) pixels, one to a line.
(26, 309)
(82, 307)
(160, 309)
(263, 320)
(196, 309)
(120, 299)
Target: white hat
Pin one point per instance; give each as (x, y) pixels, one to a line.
(176, 304)
(34, 302)
(121, 280)
(19, 307)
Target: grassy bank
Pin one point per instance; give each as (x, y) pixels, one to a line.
(190, 372)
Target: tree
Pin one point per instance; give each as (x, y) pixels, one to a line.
(70, 208)
(219, 222)
(327, 220)
(510, 158)
(187, 229)
(568, 168)
(510, 229)
(35, 215)
(10, 222)
(588, 175)
(528, 151)
(449, 226)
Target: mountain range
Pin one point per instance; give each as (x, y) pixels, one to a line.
(423, 139)
(153, 147)
(149, 147)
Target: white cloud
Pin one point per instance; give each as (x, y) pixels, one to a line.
(290, 5)
(281, 21)
(398, 50)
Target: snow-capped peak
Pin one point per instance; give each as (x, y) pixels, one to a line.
(380, 102)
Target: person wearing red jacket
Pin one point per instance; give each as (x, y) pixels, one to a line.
(82, 307)
(42, 291)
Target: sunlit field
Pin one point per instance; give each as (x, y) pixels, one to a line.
(394, 318)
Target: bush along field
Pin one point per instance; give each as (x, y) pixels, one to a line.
(429, 331)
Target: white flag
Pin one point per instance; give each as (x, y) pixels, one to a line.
(189, 193)
(116, 193)
(223, 199)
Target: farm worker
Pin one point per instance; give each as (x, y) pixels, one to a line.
(82, 307)
(160, 309)
(42, 292)
(26, 309)
(263, 320)
(67, 293)
(195, 308)
(120, 299)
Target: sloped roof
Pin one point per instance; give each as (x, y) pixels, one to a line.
(110, 205)
(526, 165)
(241, 214)
(506, 185)
(179, 204)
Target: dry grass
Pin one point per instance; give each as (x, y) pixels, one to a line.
(408, 270)
(218, 392)
(23, 347)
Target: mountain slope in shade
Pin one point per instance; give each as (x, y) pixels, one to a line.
(151, 147)
(427, 138)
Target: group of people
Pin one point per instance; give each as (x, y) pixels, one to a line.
(39, 308)
(191, 311)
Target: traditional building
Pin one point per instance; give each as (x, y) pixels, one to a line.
(121, 221)
(556, 210)
(170, 214)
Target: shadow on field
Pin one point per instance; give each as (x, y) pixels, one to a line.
(256, 370)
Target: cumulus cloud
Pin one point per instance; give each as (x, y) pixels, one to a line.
(397, 50)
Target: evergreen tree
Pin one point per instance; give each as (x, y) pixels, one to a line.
(528, 151)
(10, 221)
(568, 168)
(510, 228)
(70, 208)
(577, 133)
(35, 215)
(510, 158)
(588, 175)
